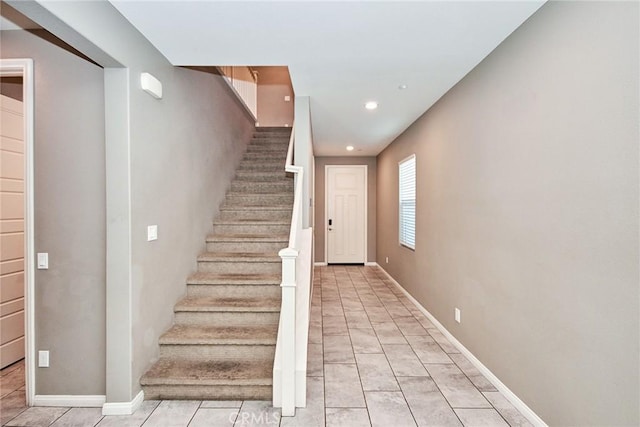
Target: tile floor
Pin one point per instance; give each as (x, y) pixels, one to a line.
(374, 360)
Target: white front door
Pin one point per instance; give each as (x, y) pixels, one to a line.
(11, 231)
(346, 220)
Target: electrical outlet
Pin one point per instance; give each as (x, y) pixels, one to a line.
(43, 359)
(387, 260)
(456, 314)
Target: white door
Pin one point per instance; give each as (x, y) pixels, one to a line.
(346, 220)
(11, 231)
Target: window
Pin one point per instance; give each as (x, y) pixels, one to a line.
(407, 190)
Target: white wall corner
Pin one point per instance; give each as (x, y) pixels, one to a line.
(511, 396)
(123, 408)
(77, 401)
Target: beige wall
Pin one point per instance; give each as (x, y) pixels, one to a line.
(274, 83)
(527, 212)
(69, 214)
(320, 222)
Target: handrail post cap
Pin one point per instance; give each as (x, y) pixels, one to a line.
(288, 253)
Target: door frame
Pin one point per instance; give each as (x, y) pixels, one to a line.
(23, 67)
(326, 209)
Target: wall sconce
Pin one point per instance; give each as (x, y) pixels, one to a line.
(151, 85)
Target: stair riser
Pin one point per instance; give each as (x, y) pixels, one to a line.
(259, 199)
(267, 162)
(257, 229)
(271, 144)
(262, 187)
(246, 246)
(276, 136)
(268, 147)
(217, 392)
(261, 167)
(218, 352)
(234, 291)
(226, 267)
(265, 155)
(284, 132)
(229, 318)
(261, 176)
(256, 214)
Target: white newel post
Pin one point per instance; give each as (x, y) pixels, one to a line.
(288, 324)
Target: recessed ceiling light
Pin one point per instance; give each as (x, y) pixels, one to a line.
(371, 105)
(349, 147)
(402, 87)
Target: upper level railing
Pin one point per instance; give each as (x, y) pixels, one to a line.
(289, 370)
(244, 82)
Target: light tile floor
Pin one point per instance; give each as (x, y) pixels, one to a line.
(374, 360)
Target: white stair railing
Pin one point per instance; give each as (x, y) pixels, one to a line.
(244, 82)
(289, 370)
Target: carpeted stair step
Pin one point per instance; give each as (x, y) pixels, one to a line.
(240, 262)
(283, 186)
(237, 242)
(249, 175)
(277, 212)
(260, 166)
(209, 379)
(248, 342)
(227, 311)
(239, 285)
(251, 227)
(257, 199)
(275, 155)
(279, 131)
(222, 344)
(271, 136)
(268, 147)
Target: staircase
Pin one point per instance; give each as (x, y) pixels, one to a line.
(222, 344)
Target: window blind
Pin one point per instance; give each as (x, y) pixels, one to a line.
(407, 191)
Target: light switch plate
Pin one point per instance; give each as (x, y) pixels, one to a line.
(152, 233)
(43, 260)
(287, 98)
(43, 359)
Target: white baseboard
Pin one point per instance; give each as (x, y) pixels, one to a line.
(77, 401)
(123, 408)
(511, 396)
(367, 264)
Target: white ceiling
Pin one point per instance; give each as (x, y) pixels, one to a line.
(340, 53)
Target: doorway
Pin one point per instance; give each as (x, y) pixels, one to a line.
(346, 216)
(16, 225)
